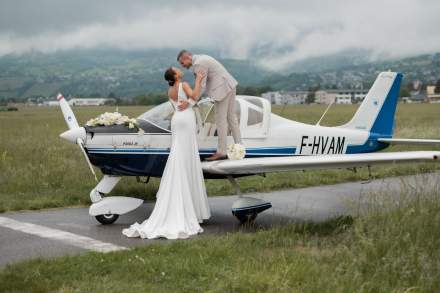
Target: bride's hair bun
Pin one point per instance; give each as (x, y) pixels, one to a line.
(170, 76)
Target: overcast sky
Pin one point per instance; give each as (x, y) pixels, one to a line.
(287, 30)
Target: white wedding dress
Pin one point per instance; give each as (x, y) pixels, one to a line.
(181, 199)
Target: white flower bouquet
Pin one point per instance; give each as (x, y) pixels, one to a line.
(115, 118)
(236, 151)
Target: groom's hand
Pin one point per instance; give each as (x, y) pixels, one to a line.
(183, 105)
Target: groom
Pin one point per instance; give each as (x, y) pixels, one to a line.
(221, 87)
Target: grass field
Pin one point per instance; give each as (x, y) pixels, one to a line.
(39, 170)
(394, 247)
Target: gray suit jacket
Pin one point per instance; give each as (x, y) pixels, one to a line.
(218, 81)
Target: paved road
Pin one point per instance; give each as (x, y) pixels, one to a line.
(50, 233)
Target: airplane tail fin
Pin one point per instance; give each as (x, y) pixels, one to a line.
(376, 113)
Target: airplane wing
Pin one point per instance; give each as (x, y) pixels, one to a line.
(408, 141)
(280, 164)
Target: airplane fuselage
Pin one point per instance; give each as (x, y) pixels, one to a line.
(132, 154)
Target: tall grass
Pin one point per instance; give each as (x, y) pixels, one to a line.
(394, 246)
(39, 170)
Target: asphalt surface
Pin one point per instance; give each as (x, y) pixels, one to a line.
(67, 231)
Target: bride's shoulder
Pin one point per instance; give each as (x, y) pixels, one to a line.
(185, 84)
(186, 88)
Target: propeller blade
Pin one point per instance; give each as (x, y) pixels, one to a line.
(67, 112)
(80, 142)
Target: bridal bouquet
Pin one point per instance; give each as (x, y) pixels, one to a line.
(236, 151)
(114, 118)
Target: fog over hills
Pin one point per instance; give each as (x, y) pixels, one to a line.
(100, 47)
(128, 73)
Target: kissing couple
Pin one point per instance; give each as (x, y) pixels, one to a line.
(182, 203)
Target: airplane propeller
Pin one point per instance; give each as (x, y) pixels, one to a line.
(75, 134)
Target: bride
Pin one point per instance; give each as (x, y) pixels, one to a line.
(181, 199)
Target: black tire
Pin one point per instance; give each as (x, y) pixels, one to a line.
(107, 219)
(247, 218)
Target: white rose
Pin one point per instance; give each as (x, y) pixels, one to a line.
(114, 118)
(236, 152)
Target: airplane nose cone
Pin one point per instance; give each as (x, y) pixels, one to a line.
(73, 134)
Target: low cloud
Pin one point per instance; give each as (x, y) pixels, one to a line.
(275, 33)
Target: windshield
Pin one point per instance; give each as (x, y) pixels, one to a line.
(160, 116)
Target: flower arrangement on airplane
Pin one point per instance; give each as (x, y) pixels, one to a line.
(236, 151)
(115, 118)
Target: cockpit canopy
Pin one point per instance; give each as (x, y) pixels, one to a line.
(158, 119)
(253, 114)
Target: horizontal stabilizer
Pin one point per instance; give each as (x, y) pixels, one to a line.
(409, 141)
(280, 164)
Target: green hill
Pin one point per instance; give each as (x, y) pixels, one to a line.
(133, 73)
(89, 72)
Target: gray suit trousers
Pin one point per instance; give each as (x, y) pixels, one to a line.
(225, 118)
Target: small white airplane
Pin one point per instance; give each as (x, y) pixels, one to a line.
(273, 144)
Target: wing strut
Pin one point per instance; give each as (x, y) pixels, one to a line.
(235, 185)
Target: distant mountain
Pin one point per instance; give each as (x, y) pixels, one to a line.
(92, 72)
(131, 73)
(353, 72)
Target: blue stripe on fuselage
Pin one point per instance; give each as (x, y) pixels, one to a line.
(370, 146)
(266, 151)
(152, 161)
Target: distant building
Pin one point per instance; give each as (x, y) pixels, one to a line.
(295, 97)
(343, 100)
(430, 90)
(286, 97)
(432, 96)
(434, 99)
(51, 103)
(89, 101)
(340, 96)
(325, 97)
(358, 95)
(272, 97)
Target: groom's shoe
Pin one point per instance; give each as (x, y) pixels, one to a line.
(216, 157)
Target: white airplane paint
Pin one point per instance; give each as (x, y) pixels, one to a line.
(273, 144)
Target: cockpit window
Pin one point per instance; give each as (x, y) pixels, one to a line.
(254, 117)
(253, 100)
(158, 118)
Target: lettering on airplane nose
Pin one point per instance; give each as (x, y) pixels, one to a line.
(322, 145)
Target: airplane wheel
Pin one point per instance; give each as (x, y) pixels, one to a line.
(107, 219)
(246, 218)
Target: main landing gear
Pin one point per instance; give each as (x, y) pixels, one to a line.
(246, 209)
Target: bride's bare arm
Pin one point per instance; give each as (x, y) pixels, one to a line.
(195, 93)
